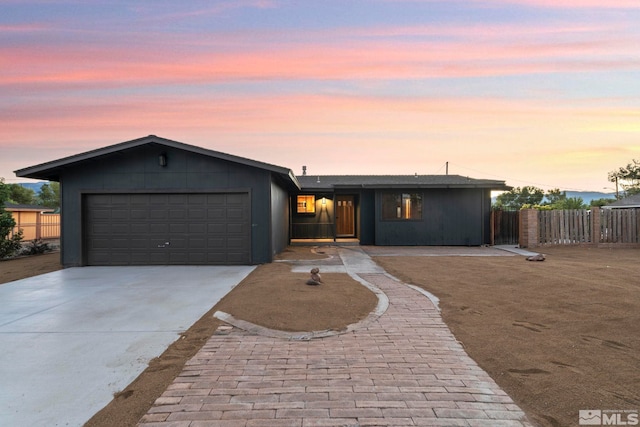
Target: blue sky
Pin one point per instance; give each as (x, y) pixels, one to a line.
(534, 92)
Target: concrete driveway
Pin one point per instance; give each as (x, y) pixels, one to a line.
(71, 339)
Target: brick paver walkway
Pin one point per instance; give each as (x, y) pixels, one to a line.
(403, 369)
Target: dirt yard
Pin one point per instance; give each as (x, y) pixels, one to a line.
(558, 336)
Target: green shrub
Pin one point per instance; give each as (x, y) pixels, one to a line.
(36, 247)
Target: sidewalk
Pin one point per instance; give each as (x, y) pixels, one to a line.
(404, 368)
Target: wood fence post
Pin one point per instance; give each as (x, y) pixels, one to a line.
(528, 230)
(595, 225)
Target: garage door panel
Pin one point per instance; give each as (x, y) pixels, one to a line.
(216, 214)
(139, 200)
(100, 214)
(234, 213)
(178, 199)
(218, 243)
(177, 243)
(120, 214)
(158, 228)
(217, 229)
(120, 199)
(197, 243)
(178, 228)
(139, 243)
(234, 229)
(101, 244)
(139, 228)
(236, 198)
(235, 243)
(218, 258)
(127, 229)
(158, 214)
(139, 214)
(197, 228)
(197, 213)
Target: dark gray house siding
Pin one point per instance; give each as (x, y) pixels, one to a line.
(227, 210)
(367, 208)
(455, 210)
(279, 219)
(449, 218)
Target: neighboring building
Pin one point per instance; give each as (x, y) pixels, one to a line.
(36, 222)
(157, 201)
(626, 203)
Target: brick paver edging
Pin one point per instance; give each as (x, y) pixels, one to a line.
(404, 368)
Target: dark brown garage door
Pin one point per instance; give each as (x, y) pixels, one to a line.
(165, 229)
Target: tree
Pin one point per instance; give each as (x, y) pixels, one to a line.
(601, 202)
(49, 195)
(554, 196)
(570, 203)
(557, 199)
(517, 197)
(21, 195)
(9, 241)
(628, 177)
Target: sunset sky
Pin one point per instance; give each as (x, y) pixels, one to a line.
(534, 92)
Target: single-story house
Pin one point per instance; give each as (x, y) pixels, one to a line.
(158, 201)
(396, 210)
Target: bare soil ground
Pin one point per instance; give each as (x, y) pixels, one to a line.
(558, 336)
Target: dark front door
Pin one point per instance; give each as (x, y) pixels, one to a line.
(345, 216)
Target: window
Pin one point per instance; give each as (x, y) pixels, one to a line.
(401, 206)
(306, 204)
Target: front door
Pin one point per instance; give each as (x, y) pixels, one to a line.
(345, 216)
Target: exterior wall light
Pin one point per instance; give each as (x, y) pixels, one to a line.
(324, 200)
(162, 160)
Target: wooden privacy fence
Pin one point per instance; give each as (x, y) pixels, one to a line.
(566, 227)
(579, 227)
(619, 226)
(504, 227)
(37, 225)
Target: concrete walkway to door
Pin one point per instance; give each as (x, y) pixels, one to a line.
(72, 338)
(404, 368)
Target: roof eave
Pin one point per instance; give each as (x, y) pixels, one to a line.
(51, 170)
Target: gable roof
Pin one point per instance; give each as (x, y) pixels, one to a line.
(50, 171)
(15, 207)
(627, 202)
(331, 182)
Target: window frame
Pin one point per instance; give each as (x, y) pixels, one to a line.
(309, 201)
(400, 206)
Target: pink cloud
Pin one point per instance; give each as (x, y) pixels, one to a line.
(476, 51)
(563, 4)
(570, 4)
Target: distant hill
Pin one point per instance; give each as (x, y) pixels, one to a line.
(35, 186)
(588, 196)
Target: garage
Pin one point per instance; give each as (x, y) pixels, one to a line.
(167, 229)
(154, 201)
